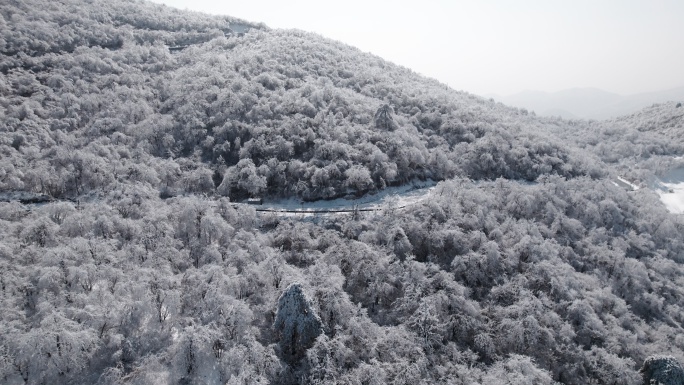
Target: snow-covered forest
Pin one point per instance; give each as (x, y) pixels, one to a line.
(131, 133)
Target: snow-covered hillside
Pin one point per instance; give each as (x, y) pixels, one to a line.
(525, 264)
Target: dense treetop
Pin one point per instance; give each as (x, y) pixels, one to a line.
(527, 264)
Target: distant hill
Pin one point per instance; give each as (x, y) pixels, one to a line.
(587, 103)
(665, 118)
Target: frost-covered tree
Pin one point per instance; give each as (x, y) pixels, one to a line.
(358, 178)
(296, 323)
(243, 180)
(383, 118)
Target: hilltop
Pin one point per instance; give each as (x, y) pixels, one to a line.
(131, 134)
(275, 113)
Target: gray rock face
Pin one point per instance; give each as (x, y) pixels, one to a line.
(296, 323)
(662, 370)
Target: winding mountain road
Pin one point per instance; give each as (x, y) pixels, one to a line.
(397, 197)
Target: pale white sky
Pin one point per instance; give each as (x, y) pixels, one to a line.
(496, 46)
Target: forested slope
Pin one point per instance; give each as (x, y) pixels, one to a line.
(527, 265)
(637, 146)
(275, 113)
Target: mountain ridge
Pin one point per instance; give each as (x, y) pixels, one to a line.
(588, 103)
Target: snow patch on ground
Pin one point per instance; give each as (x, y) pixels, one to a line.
(624, 183)
(670, 188)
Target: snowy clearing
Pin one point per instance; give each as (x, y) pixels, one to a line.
(670, 188)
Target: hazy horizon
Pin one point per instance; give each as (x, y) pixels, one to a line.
(525, 91)
(497, 47)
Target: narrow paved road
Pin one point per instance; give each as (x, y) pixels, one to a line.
(397, 197)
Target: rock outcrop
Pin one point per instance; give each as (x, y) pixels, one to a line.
(296, 323)
(662, 370)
